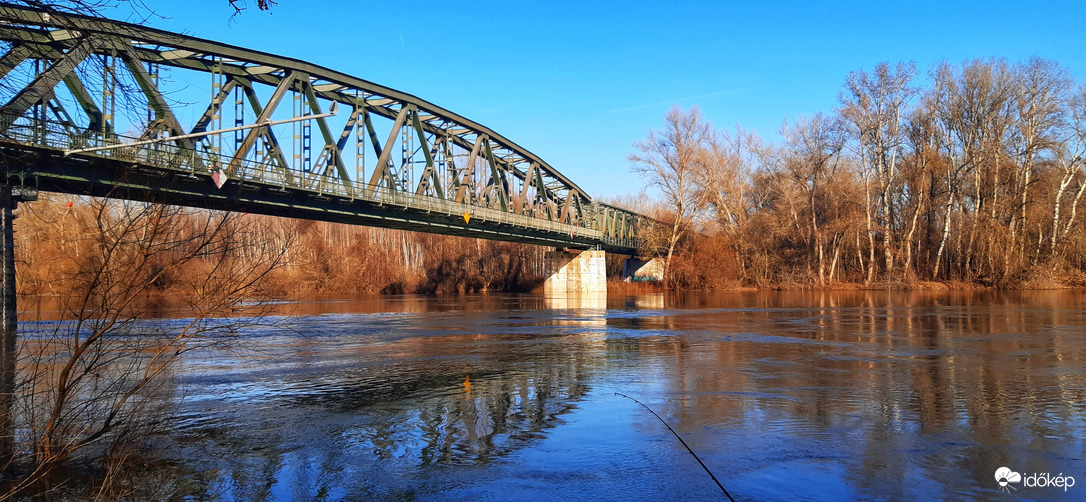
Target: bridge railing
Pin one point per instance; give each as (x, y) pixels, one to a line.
(163, 155)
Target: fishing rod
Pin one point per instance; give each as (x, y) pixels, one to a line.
(677, 436)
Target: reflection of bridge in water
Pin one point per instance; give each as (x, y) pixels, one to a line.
(396, 394)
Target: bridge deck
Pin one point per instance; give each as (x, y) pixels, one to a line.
(34, 152)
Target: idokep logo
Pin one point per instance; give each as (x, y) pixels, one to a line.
(1007, 478)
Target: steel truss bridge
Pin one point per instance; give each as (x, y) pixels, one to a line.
(93, 106)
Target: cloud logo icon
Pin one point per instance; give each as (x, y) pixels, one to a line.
(1004, 476)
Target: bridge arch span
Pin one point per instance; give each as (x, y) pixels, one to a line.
(100, 107)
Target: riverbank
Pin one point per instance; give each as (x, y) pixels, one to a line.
(615, 285)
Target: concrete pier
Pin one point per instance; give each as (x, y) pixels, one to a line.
(640, 269)
(576, 301)
(575, 272)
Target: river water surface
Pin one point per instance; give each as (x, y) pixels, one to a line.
(784, 396)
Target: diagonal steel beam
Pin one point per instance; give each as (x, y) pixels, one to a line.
(523, 201)
(158, 103)
(426, 180)
(541, 191)
(61, 114)
(497, 179)
(265, 133)
(430, 174)
(43, 85)
(353, 121)
(565, 208)
(264, 114)
(469, 173)
(215, 106)
(13, 58)
(374, 141)
(579, 211)
(86, 102)
(383, 170)
(331, 148)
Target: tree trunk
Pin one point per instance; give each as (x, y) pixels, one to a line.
(870, 232)
(1065, 182)
(912, 232)
(836, 254)
(887, 223)
(817, 241)
(676, 231)
(946, 235)
(1074, 210)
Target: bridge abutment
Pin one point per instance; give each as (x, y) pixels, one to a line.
(647, 270)
(575, 272)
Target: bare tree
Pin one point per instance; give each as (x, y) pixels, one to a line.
(995, 83)
(1038, 109)
(978, 180)
(240, 5)
(921, 171)
(97, 383)
(724, 185)
(1071, 159)
(139, 7)
(810, 157)
(973, 114)
(875, 106)
(723, 181)
(668, 160)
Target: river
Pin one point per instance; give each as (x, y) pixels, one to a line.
(782, 395)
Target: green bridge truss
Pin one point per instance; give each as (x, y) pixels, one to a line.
(93, 106)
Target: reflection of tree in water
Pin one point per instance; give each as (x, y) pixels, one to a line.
(954, 383)
(303, 452)
(475, 421)
(369, 419)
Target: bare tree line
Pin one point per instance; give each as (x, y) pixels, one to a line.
(974, 176)
(53, 242)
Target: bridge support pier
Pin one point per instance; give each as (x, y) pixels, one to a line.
(576, 272)
(645, 270)
(8, 324)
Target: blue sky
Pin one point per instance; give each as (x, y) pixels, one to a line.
(578, 82)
